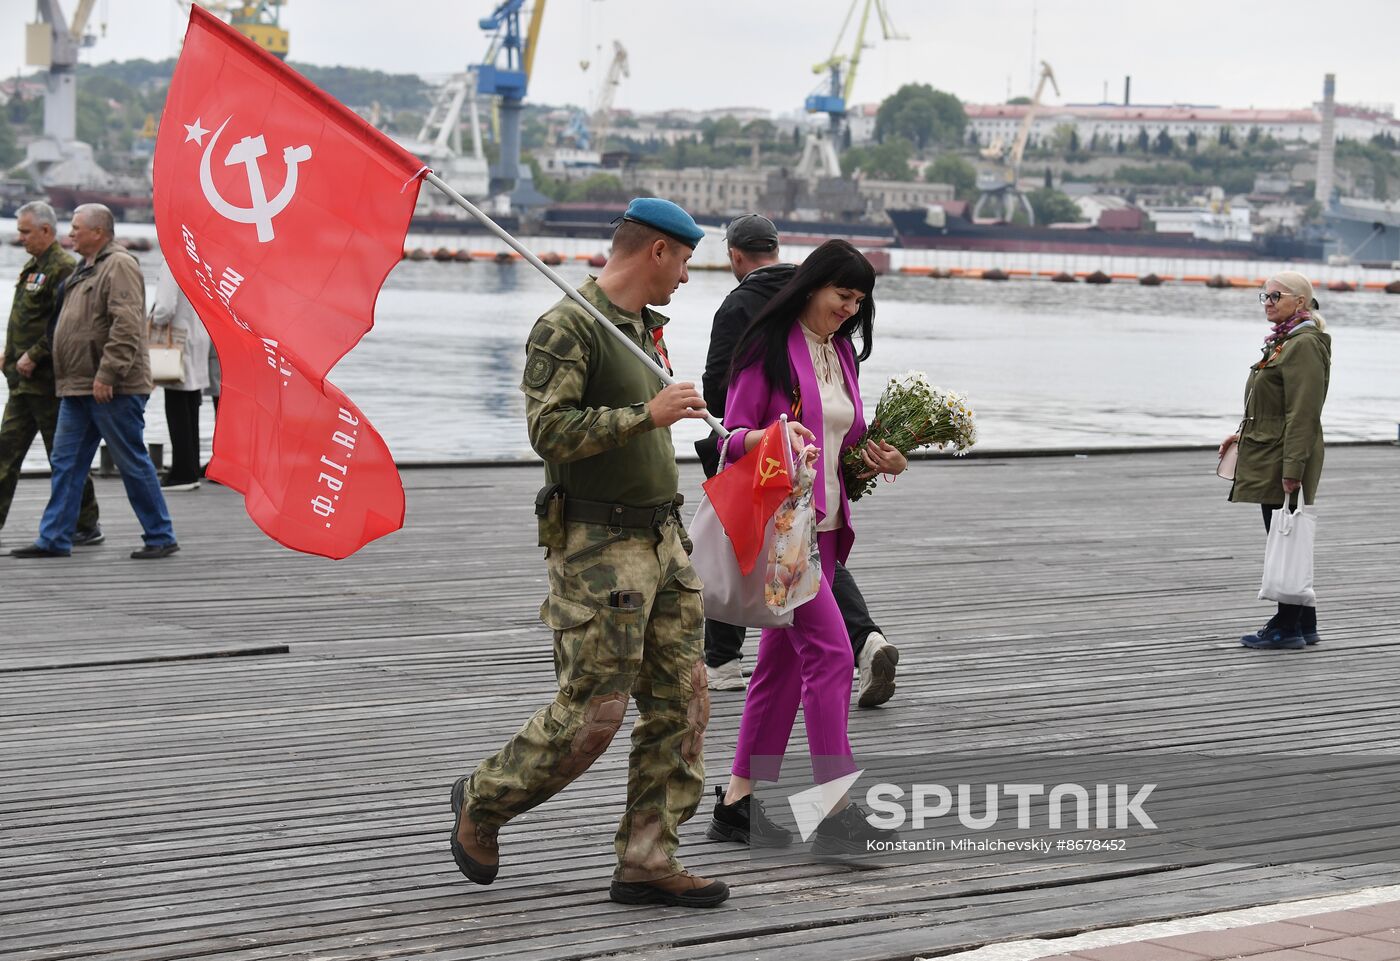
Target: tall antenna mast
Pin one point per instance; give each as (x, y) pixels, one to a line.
(1031, 73)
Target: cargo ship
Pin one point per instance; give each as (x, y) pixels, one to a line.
(943, 229)
(599, 220)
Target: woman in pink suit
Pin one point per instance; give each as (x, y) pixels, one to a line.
(798, 358)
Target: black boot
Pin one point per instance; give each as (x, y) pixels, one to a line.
(745, 821)
(1307, 623)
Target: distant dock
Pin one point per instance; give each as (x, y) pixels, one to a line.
(243, 754)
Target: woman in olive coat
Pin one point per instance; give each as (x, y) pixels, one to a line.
(1280, 439)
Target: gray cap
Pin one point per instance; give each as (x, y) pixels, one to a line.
(752, 232)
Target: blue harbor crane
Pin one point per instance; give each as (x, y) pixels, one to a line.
(505, 73)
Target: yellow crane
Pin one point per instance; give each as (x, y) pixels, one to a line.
(841, 68)
(53, 42)
(999, 188)
(831, 98)
(258, 20)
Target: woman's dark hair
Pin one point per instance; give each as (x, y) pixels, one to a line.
(834, 264)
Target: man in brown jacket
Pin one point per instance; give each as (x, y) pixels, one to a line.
(103, 379)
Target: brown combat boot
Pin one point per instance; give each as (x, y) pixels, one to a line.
(683, 890)
(473, 845)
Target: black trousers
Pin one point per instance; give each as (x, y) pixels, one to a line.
(182, 417)
(725, 642)
(1290, 615)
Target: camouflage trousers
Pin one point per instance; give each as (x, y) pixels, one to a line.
(603, 654)
(25, 416)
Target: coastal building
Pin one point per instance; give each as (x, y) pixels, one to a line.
(737, 190)
(988, 123)
(704, 190)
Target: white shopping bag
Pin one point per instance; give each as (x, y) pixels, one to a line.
(1288, 556)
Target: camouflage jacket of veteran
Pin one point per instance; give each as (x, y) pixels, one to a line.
(1282, 431)
(586, 401)
(36, 295)
(101, 333)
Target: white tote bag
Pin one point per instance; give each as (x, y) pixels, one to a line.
(1288, 555)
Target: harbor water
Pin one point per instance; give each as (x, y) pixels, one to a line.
(1046, 366)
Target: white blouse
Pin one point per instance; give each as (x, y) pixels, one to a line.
(838, 414)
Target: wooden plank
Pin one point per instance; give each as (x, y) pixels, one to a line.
(295, 804)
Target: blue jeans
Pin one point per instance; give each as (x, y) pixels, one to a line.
(82, 423)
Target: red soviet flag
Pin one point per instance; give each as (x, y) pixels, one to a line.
(280, 213)
(746, 494)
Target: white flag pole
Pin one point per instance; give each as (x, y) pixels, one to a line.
(563, 285)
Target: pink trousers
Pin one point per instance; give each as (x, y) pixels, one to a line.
(809, 663)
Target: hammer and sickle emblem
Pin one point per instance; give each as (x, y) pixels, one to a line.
(246, 152)
(771, 468)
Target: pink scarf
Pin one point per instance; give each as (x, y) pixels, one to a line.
(1285, 327)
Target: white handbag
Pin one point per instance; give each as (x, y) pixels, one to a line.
(1288, 555)
(730, 596)
(1226, 466)
(167, 359)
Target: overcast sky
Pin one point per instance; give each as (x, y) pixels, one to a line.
(717, 53)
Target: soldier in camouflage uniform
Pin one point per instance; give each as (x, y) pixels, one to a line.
(624, 602)
(32, 405)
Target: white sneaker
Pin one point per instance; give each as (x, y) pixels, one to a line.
(876, 663)
(727, 677)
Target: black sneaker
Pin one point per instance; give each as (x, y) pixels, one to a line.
(848, 832)
(745, 821)
(149, 553)
(34, 550)
(89, 538)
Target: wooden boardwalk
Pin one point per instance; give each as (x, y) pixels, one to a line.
(288, 799)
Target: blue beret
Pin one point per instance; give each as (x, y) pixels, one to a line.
(666, 217)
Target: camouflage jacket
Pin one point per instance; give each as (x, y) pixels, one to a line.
(586, 401)
(36, 295)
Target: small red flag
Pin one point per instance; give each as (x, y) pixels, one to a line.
(746, 494)
(280, 213)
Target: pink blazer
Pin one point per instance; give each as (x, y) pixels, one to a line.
(754, 403)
